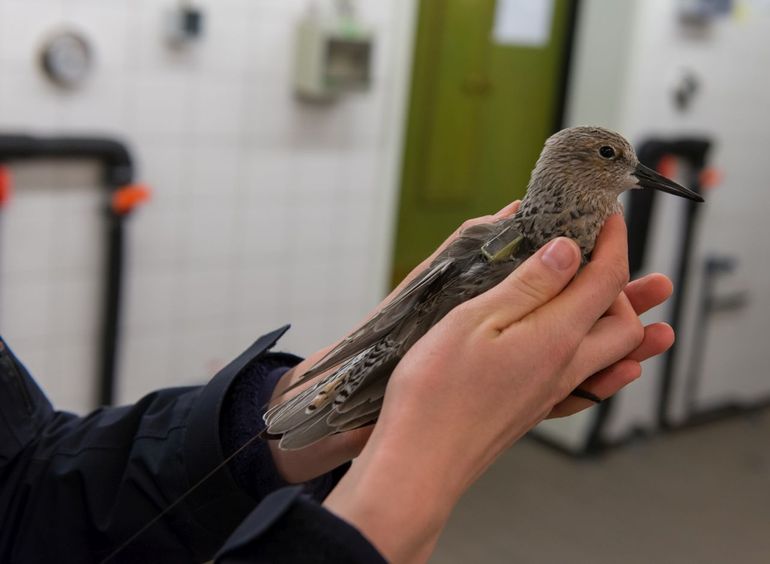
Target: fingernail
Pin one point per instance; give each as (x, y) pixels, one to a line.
(559, 254)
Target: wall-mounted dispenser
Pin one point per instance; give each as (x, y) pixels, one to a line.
(333, 52)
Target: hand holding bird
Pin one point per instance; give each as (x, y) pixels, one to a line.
(572, 191)
(481, 378)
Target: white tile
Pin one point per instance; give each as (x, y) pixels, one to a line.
(311, 227)
(75, 306)
(209, 235)
(268, 116)
(350, 281)
(145, 366)
(98, 107)
(256, 292)
(160, 104)
(213, 174)
(376, 12)
(70, 377)
(367, 115)
(319, 177)
(149, 300)
(217, 108)
(26, 242)
(273, 35)
(25, 25)
(271, 47)
(228, 33)
(307, 286)
(361, 174)
(79, 241)
(263, 232)
(267, 176)
(27, 102)
(203, 295)
(154, 238)
(104, 25)
(25, 309)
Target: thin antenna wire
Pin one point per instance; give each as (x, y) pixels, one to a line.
(221, 465)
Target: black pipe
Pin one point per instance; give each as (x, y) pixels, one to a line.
(118, 166)
(714, 266)
(118, 171)
(692, 152)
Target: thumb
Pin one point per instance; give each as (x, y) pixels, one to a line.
(537, 281)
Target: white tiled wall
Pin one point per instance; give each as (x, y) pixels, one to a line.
(264, 210)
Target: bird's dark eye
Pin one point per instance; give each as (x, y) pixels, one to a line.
(607, 152)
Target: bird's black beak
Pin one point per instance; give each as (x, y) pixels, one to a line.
(648, 178)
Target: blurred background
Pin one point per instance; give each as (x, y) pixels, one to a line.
(179, 177)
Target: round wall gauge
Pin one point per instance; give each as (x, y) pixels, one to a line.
(67, 58)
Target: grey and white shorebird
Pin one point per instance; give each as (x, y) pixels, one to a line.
(573, 189)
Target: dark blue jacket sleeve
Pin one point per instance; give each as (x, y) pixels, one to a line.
(73, 489)
(288, 527)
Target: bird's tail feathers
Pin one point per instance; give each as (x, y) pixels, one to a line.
(295, 411)
(346, 399)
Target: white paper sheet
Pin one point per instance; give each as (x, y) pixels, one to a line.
(523, 22)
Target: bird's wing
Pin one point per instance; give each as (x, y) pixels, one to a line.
(383, 322)
(444, 268)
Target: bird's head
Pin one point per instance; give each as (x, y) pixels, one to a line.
(599, 161)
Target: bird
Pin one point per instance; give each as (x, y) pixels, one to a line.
(572, 190)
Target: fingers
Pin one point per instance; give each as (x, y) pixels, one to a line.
(598, 284)
(613, 338)
(603, 385)
(531, 285)
(648, 292)
(658, 338)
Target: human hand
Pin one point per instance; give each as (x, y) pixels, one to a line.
(485, 375)
(641, 295)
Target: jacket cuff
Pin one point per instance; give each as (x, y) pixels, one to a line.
(289, 527)
(253, 468)
(217, 503)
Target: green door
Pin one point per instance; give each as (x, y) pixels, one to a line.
(479, 112)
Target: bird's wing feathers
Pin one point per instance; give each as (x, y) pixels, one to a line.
(443, 268)
(351, 396)
(382, 323)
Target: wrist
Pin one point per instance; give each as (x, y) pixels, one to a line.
(399, 503)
